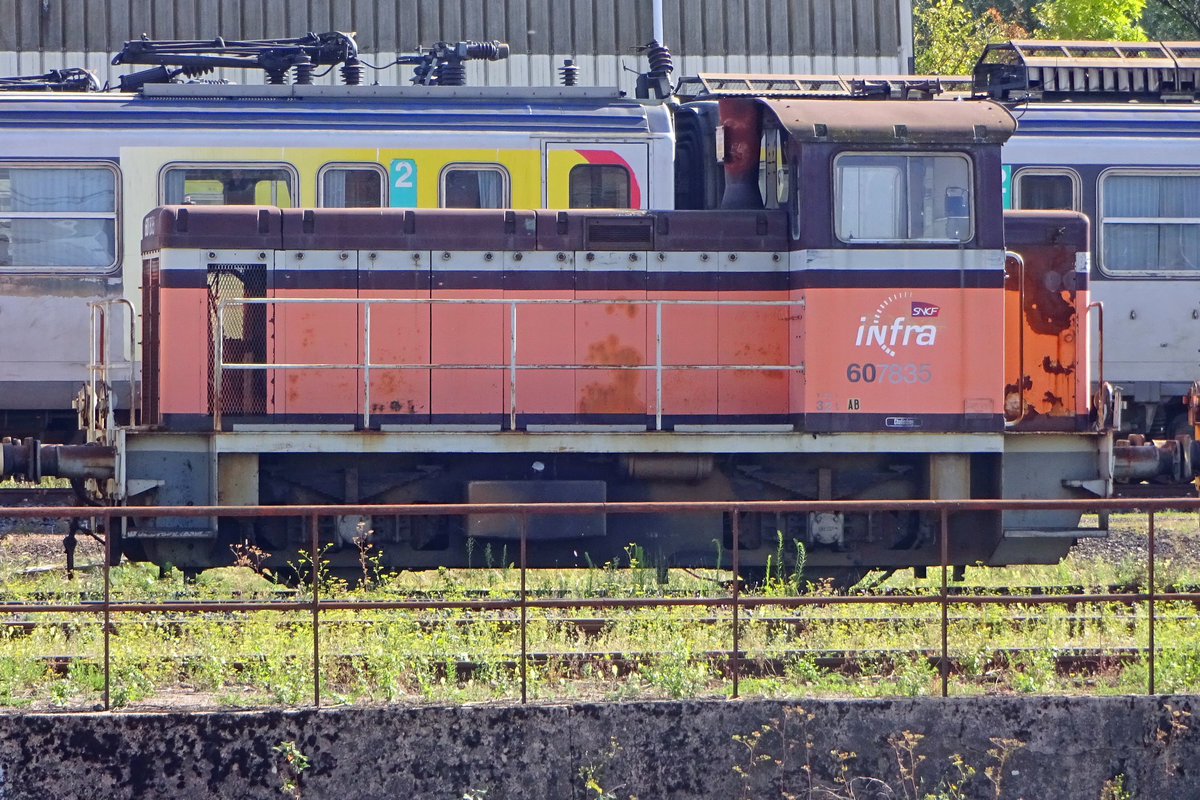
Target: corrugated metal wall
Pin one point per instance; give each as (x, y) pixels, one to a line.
(843, 36)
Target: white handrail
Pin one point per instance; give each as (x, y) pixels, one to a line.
(513, 365)
(98, 367)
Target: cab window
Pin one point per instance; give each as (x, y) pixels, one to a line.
(58, 216)
(240, 185)
(894, 197)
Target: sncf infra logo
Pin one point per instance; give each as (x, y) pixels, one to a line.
(890, 328)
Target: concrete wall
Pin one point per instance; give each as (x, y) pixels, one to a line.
(1068, 748)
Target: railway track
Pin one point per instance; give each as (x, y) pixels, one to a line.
(562, 599)
(1074, 662)
(173, 618)
(590, 628)
(452, 646)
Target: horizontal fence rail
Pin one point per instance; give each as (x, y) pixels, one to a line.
(734, 602)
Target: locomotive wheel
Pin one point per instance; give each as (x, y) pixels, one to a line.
(1179, 426)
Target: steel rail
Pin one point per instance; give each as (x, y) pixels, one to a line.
(758, 664)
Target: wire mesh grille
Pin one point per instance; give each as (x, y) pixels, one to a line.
(243, 337)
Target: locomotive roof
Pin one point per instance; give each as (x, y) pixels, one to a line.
(889, 121)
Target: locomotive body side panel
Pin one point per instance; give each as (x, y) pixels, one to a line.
(904, 358)
(690, 330)
(183, 375)
(400, 394)
(610, 332)
(545, 333)
(754, 330)
(317, 330)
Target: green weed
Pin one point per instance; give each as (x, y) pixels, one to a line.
(292, 764)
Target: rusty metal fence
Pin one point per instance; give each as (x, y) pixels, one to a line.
(733, 603)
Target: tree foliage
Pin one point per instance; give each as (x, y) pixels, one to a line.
(1172, 19)
(949, 37)
(1090, 19)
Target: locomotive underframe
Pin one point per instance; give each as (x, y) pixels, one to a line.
(288, 467)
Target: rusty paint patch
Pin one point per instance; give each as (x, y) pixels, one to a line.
(390, 385)
(630, 310)
(1049, 287)
(766, 353)
(1055, 368)
(394, 406)
(1053, 404)
(1012, 399)
(619, 395)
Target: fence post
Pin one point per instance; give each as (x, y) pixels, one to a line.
(1150, 601)
(524, 618)
(944, 666)
(107, 607)
(316, 611)
(734, 659)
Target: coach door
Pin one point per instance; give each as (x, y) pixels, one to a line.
(596, 175)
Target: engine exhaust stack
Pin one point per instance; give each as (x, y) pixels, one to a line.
(741, 118)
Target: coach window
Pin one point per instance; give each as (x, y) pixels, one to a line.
(1044, 189)
(351, 186)
(58, 215)
(599, 186)
(241, 185)
(890, 197)
(474, 186)
(1150, 221)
